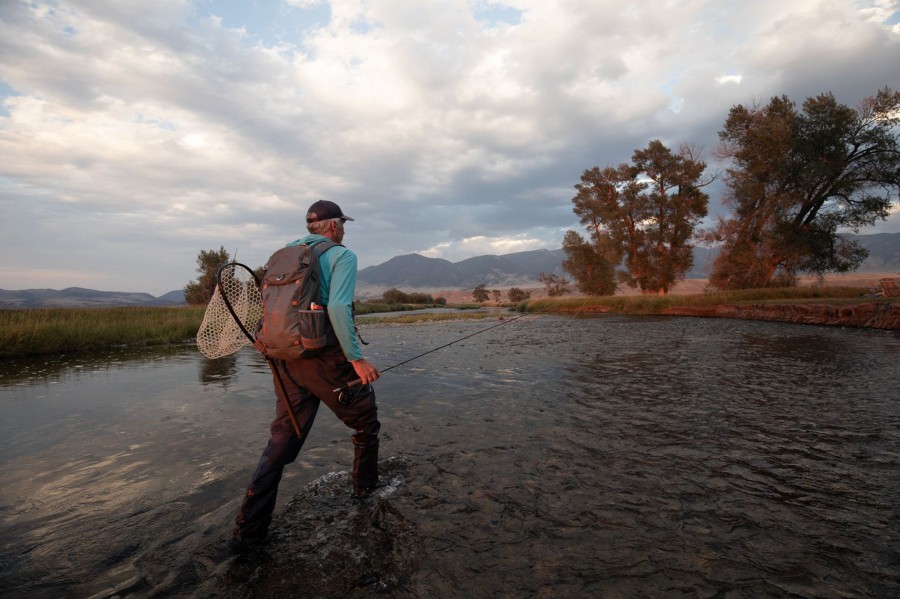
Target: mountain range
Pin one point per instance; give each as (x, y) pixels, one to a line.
(417, 271)
(414, 271)
(83, 298)
(522, 268)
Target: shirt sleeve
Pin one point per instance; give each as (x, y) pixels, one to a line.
(340, 301)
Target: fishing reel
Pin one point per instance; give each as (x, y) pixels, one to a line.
(347, 393)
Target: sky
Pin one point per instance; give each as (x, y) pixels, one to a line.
(135, 134)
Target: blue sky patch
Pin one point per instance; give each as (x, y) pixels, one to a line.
(266, 22)
(494, 14)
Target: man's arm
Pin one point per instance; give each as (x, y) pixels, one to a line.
(340, 301)
(340, 311)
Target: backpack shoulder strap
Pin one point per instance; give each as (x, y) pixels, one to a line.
(321, 247)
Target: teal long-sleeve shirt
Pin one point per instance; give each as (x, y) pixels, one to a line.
(338, 266)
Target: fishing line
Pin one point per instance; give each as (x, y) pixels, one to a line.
(346, 393)
(236, 309)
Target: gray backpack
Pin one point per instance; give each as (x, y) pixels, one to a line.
(293, 326)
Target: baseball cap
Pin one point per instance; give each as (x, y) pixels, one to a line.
(324, 210)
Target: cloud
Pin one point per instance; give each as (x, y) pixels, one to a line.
(723, 79)
(135, 135)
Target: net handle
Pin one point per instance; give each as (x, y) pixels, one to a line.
(272, 366)
(227, 302)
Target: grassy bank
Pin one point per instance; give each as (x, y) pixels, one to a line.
(656, 304)
(64, 330)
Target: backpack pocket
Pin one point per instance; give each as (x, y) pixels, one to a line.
(313, 329)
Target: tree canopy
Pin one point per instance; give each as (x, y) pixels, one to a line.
(200, 291)
(641, 215)
(517, 295)
(798, 177)
(592, 272)
(555, 284)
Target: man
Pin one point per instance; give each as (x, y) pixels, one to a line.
(309, 381)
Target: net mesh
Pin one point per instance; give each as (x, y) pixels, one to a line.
(219, 333)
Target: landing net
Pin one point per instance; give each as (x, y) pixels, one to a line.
(224, 331)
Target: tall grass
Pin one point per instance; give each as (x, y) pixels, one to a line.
(654, 304)
(62, 330)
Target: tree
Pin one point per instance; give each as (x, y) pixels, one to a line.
(643, 215)
(592, 272)
(394, 296)
(495, 295)
(517, 295)
(480, 294)
(555, 284)
(200, 291)
(796, 178)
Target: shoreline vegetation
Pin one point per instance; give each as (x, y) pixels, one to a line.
(41, 331)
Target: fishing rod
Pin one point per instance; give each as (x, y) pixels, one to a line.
(346, 393)
(237, 299)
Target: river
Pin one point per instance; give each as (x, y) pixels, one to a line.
(607, 456)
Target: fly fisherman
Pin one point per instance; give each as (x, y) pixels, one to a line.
(308, 381)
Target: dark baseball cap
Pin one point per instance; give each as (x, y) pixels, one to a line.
(324, 210)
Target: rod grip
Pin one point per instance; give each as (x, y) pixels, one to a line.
(348, 385)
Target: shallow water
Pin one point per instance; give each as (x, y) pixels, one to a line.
(607, 456)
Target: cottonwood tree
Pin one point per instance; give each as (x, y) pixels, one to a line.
(796, 178)
(200, 291)
(393, 296)
(480, 294)
(555, 284)
(517, 295)
(643, 215)
(592, 272)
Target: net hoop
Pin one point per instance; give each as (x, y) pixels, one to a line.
(233, 313)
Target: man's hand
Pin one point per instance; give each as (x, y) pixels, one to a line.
(366, 371)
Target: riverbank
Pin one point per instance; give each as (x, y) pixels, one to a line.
(41, 331)
(831, 306)
(871, 315)
(37, 331)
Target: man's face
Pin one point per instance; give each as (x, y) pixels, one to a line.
(338, 231)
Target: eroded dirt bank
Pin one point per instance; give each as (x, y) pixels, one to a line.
(874, 315)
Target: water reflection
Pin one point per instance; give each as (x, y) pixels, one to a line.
(610, 456)
(219, 370)
(56, 368)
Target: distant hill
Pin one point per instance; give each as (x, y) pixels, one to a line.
(413, 271)
(79, 297)
(416, 271)
(523, 268)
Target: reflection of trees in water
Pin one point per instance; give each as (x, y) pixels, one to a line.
(64, 367)
(219, 370)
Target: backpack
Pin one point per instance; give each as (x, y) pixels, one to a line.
(293, 326)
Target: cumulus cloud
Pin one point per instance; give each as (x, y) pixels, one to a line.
(136, 134)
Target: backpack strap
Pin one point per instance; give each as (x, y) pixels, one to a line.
(320, 247)
(316, 250)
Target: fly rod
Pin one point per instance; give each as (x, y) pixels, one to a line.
(346, 394)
